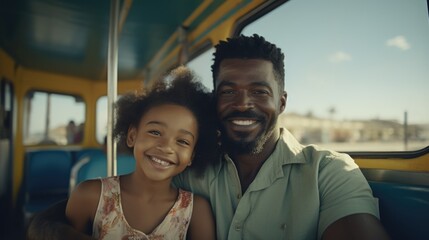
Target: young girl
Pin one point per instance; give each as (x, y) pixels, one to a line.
(168, 129)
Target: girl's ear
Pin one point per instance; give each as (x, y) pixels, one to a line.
(192, 159)
(131, 136)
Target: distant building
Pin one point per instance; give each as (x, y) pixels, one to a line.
(310, 129)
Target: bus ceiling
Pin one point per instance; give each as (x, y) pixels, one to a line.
(71, 37)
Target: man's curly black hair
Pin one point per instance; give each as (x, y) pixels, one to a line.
(249, 47)
(179, 87)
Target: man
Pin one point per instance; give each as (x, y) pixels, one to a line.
(267, 185)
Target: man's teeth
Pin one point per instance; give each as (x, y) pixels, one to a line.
(243, 122)
(161, 162)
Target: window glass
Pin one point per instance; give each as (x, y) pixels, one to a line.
(101, 118)
(6, 108)
(201, 65)
(52, 118)
(356, 72)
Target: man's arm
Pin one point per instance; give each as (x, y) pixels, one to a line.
(357, 226)
(52, 224)
(348, 209)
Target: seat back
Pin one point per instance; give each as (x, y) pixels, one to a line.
(47, 174)
(404, 209)
(79, 154)
(126, 163)
(95, 166)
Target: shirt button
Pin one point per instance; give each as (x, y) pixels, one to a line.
(237, 227)
(283, 226)
(238, 196)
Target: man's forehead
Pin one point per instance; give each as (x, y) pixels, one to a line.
(251, 69)
(244, 61)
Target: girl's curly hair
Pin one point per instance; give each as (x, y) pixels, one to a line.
(181, 87)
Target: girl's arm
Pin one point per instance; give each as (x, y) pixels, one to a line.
(82, 205)
(202, 225)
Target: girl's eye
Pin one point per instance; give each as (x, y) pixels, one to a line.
(154, 132)
(183, 142)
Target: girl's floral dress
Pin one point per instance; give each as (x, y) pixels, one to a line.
(110, 222)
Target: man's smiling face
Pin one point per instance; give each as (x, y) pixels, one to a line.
(248, 103)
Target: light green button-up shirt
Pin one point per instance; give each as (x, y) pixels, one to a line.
(298, 192)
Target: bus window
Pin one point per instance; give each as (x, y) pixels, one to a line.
(356, 72)
(6, 144)
(101, 119)
(51, 118)
(201, 66)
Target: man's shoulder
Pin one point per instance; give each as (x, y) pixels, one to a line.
(291, 151)
(193, 177)
(294, 152)
(325, 156)
(329, 162)
(324, 152)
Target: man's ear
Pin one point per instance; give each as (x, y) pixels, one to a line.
(131, 136)
(283, 99)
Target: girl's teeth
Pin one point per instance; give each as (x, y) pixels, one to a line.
(163, 163)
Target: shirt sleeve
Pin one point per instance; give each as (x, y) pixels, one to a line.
(343, 191)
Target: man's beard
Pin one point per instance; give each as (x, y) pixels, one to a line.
(248, 147)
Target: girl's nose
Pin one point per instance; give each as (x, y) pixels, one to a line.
(165, 146)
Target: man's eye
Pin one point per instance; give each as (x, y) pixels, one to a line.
(154, 132)
(261, 92)
(226, 92)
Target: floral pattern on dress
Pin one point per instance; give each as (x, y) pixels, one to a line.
(110, 222)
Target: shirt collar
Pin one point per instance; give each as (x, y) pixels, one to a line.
(287, 151)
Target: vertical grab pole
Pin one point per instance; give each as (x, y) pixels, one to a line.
(112, 78)
(405, 131)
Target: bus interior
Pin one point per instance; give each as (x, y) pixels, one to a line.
(357, 77)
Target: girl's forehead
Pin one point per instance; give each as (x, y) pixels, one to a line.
(166, 109)
(172, 116)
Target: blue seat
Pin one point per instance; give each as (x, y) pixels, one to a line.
(47, 174)
(77, 155)
(94, 165)
(404, 209)
(126, 164)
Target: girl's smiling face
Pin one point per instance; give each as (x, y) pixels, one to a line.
(164, 141)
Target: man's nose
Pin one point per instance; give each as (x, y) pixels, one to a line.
(243, 101)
